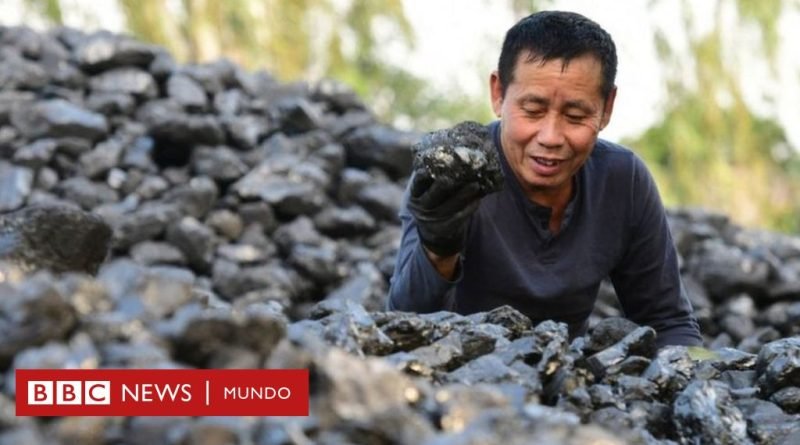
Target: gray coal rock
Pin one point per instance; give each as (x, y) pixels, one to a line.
(104, 51)
(16, 182)
(59, 118)
(706, 410)
(32, 316)
(235, 221)
(639, 342)
(778, 365)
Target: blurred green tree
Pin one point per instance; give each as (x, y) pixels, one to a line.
(711, 149)
(50, 9)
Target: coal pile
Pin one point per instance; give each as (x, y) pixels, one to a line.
(252, 223)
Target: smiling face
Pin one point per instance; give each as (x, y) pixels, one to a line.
(550, 115)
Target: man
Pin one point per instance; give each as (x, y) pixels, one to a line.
(574, 209)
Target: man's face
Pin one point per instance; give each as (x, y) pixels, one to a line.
(550, 118)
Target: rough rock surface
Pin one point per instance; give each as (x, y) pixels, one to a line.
(58, 238)
(463, 154)
(253, 224)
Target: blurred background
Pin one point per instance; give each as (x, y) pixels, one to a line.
(708, 90)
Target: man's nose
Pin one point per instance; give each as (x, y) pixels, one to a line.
(550, 133)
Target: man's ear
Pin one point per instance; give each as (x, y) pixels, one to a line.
(608, 108)
(496, 90)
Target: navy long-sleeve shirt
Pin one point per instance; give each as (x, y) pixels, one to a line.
(614, 226)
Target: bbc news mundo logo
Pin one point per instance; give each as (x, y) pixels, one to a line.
(69, 392)
(162, 392)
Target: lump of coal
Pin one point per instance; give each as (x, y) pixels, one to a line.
(639, 342)
(464, 153)
(60, 238)
(705, 410)
(778, 365)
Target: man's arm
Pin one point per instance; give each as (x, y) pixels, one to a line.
(647, 279)
(418, 283)
(453, 169)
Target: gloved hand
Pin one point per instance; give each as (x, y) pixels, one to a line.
(442, 209)
(453, 169)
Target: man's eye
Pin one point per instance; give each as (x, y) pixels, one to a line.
(575, 117)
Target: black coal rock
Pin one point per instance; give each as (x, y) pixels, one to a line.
(219, 338)
(31, 315)
(706, 410)
(104, 50)
(59, 118)
(464, 154)
(57, 238)
(778, 365)
(766, 423)
(640, 341)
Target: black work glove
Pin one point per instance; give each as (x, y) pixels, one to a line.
(442, 209)
(453, 169)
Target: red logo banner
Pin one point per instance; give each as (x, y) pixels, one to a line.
(162, 392)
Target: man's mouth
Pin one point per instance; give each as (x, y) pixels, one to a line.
(546, 162)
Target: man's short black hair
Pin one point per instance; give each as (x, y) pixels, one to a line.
(551, 35)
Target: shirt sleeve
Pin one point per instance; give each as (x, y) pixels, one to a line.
(647, 279)
(415, 285)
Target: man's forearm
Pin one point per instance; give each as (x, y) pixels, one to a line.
(419, 283)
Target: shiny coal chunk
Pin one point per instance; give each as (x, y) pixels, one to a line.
(705, 410)
(464, 154)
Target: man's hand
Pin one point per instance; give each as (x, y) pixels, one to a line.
(442, 210)
(453, 169)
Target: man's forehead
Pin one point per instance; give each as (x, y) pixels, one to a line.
(532, 57)
(588, 60)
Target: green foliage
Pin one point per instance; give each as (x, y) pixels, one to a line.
(408, 100)
(523, 8)
(267, 34)
(699, 353)
(147, 20)
(722, 158)
(395, 94)
(710, 149)
(50, 9)
(765, 14)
